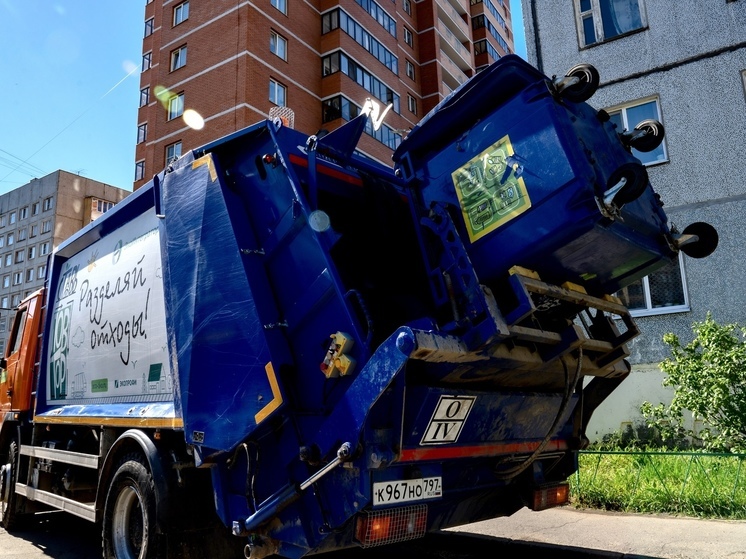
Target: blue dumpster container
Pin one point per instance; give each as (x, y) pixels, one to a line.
(527, 175)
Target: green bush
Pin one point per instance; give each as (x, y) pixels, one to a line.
(708, 376)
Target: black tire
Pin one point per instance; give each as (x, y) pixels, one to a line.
(652, 137)
(9, 513)
(129, 524)
(587, 85)
(637, 181)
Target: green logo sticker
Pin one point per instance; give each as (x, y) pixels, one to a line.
(100, 385)
(154, 374)
(488, 190)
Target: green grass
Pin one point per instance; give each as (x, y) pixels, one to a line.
(685, 483)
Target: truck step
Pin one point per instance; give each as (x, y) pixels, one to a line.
(83, 510)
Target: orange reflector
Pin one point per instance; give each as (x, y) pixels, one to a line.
(391, 525)
(550, 496)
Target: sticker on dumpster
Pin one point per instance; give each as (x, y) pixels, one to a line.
(489, 189)
(448, 419)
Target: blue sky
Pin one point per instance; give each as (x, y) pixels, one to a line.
(70, 88)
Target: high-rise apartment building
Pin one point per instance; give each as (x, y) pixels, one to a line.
(210, 68)
(34, 219)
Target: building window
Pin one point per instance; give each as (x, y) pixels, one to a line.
(2, 241)
(15, 301)
(142, 133)
(409, 69)
(338, 19)
(11, 238)
(47, 204)
(149, 27)
(278, 45)
(8, 259)
(663, 291)
(602, 20)
(32, 252)
(178, 58)
(411, 104)
(281, 5)
(407, 5)
(102, 206)
(46, 226)
(19, 256)
(17, 279)
(181, 13)
(6, 281)
(22, 234)
(2, 220)
(4, 302)
(44, 249)
(34, 230)
(626, 117)
(30, 274)
(277, 93)
(173, 152)
(35, 208)
(139, 170)
(176, 106)
(408, 37)
(42, 273)
(339, 61)
(144, 96)
(379, 14)
(23, 213)
(147, 60)
(13, 217)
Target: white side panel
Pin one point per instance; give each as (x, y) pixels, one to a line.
(108, 339)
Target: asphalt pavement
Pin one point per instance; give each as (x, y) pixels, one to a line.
(593, 533)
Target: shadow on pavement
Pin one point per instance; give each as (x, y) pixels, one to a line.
(62, 536)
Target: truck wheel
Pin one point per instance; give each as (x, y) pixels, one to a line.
(8, 497)
(129, 526)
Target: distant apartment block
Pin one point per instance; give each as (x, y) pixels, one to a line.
(212, 68)
(34, 219)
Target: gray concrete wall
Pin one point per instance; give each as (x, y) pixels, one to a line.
(691, 56)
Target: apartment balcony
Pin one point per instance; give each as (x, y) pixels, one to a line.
(453, 48)
(451, 17)
(453, 76)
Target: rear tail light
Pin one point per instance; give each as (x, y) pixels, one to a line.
(549, 496)
(387, 526)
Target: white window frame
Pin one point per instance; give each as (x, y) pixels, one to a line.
(23, 213)
(11, 238)
(173, 152)
(31, 252)
(46, 226)
(35, 208)
(47, 203)
(408, 37)
(594, 13)
(44, 249)
(649, 309)
(407, 6)
(278, 45)
(42, 271)
(176, 106)
(30, 275)
(181, 13)
(6, 281)
(281, 5)
(411, 104)
(12, 219)
(17, 278)
(178, 57)
(22, 234)
(9, 259)
(409, 69)
(275, 88)
(647, 158)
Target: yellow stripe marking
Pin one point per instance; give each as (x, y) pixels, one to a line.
(206, 160)
(165, 422)
(276, 395)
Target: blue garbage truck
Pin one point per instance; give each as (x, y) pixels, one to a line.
(287, 345)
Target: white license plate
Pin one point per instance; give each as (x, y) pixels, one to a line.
(407, 490)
